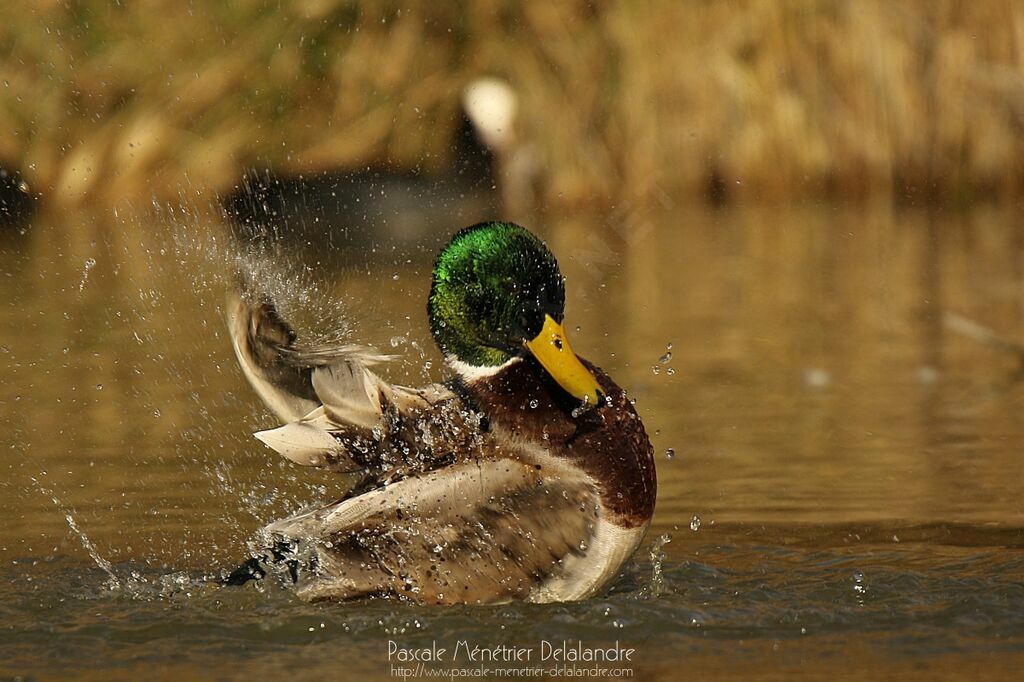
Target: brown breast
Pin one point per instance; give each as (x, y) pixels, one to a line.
(607, 442)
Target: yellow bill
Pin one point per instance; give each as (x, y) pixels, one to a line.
(552, 350)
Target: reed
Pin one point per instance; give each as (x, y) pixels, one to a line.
(647, 101)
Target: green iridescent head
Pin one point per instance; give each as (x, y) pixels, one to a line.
(497, 294)
(493, 285)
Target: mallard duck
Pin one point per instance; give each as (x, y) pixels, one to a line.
(527, 476)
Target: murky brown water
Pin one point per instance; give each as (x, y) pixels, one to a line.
(845, 493)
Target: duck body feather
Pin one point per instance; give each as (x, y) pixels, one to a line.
(480, 491)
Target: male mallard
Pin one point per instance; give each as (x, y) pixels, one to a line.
(527, 476)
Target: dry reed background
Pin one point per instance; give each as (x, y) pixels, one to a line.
(102, 102)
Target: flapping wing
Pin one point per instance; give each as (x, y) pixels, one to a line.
(366, 424)
(339, 414)
(475, 532)
(279, 368)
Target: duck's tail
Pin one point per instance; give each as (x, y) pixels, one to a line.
(278, 367)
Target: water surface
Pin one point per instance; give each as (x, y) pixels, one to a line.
(843, 493)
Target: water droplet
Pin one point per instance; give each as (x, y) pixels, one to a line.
(670, 454)
(695, 523)
(89, 264)
(859, 588)
(666, 358)
(99, 387)
(533, 404)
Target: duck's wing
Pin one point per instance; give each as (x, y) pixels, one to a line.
(340, 414)
(472, 532)
(278, 367)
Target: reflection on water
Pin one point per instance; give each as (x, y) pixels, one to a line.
(826, 424)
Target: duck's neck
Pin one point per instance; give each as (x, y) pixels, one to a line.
(522, 398)
(471, 374)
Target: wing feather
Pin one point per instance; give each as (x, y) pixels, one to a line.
(337, 413)
(351, 393)
(306, 442)
(476, 532)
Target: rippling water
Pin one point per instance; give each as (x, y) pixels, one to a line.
(843, 495)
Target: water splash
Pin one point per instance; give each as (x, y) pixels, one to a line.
(277, 268)
(90, 263)
(657, 554)
(664, 360)
(113, 582)
(108, 568)
(860, 588)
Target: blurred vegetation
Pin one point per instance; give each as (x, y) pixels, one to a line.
(106, 101)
